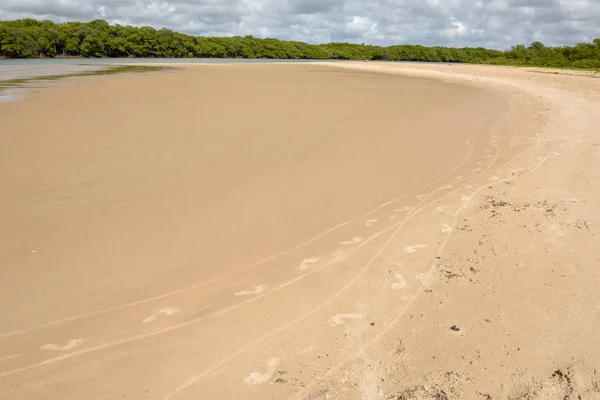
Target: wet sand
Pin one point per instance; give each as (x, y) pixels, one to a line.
(280, 231)
(9, 71)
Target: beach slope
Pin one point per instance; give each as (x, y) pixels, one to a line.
(323, 230)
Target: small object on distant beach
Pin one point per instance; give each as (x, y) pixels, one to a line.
(372, 324)
(455, 328)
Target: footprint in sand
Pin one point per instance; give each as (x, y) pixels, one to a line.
(69, 346)
(307, 262)
(441, 208)
(257, 378)
(421, 196)
(355, 240)
(371, 221)
(339, 318)
(493, 178)
(476, 170)
(464, 197)
(257, 289)
(165, 311)
(400, 282)
(414, 248)
(446, 187)
(402, 209)
(446, 228)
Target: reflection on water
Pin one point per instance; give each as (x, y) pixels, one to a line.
(10, 70)
(99, 61)
(19, 76)
(14, 77)
(32, 68)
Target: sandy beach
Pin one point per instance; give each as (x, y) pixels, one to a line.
(303, 231)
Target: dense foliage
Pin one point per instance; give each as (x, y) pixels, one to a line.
(29, 38)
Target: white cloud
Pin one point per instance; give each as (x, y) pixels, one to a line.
(492, 23)
(460, 29)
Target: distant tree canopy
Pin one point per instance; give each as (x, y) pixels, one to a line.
(29, 38)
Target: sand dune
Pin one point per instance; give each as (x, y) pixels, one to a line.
(346, 231)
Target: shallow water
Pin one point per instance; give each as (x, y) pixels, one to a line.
(29, 68)
(99, 61)
(15, 80)
(10, 70)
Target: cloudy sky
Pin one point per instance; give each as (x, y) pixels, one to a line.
(491, 23)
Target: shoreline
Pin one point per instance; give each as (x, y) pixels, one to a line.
(12, 88)
(469, 210)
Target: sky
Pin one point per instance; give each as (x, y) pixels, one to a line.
(497, 24)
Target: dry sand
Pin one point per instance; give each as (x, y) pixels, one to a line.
(343, 231)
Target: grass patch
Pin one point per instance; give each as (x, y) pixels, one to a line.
(29, 82)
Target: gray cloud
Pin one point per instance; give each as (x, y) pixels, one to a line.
(490, 23)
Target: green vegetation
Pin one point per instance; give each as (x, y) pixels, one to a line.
(29, 38)
(107, 70)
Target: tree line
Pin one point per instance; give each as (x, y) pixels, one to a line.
(30, 38)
